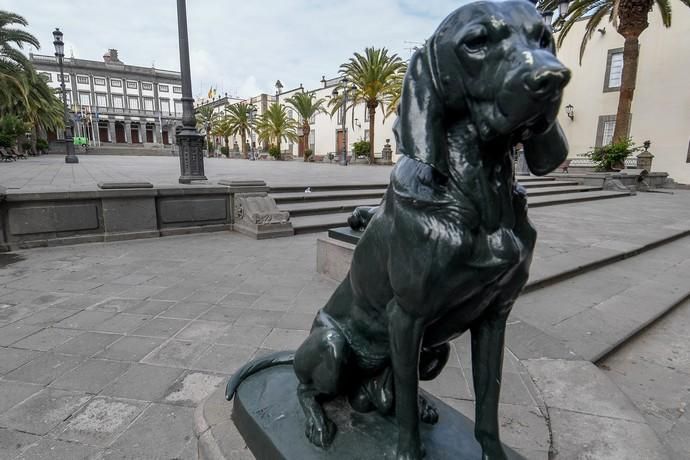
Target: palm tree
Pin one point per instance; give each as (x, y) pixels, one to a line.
(206, 118)
(630, 18)
(12, 61)
(239, 122)
(374, 77)
(306, 105)
(274, 125)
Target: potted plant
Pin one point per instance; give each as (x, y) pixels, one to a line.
(612, 157)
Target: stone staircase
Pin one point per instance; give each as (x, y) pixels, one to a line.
(329, 206)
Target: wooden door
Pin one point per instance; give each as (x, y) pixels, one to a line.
(166, 140)
(149, 134)
(103, 133)
(340, 142)
(119, 133)
(134, 133)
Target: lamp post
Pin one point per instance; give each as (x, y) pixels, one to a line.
(69, 139)
(279, 89)
(189, 141)
(562, 7)
(346, 91)
(252, 115)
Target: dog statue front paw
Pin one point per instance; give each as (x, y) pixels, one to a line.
(493, 451)
(409, 450)
(320, 431)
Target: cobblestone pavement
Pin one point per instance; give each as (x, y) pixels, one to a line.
(654, 371)
(49, 172)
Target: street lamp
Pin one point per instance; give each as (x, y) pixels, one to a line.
(279, 89)
(252, 115)
(570, 111)
(69, 140)
(189, 141)
(562, 7)
(346, 91)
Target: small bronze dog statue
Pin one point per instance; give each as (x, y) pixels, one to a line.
(449, 248)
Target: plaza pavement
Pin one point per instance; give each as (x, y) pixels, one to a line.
(50, 172)
(106, 350)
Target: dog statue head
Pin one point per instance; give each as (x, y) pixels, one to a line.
(494, 64)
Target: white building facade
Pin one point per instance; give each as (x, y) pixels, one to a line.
(661, 103)
(114, 103)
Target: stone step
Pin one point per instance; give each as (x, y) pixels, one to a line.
(302, 197)
(533, 179)
(326, 207)
(314, 222)
(589, 314)
(274, 189)
(567, 198)
(541, 191)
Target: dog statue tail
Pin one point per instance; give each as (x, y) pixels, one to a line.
(257, 365)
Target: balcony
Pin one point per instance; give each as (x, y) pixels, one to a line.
(127, 111)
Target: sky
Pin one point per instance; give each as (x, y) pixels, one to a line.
(238, 47)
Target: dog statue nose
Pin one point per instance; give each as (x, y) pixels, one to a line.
(544, 82)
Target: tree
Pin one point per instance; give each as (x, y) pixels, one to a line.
(373, 78)
(12, 60)
(206, 118)
(274, 125)
(238, 118)
(630, 18)
(306, 105)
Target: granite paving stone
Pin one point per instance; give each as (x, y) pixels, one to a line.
(160, 327)
(151, 307)
(143, 382)
(87, 343)
(202, 331)
(121, 323)
(44, 411)
(101, 421)
(250, 336)
(47, 448)
(162, 428)
(47, 339)
(12, 358)
(12, 333)
(224, 359)
(91, 376)
(12, 393)
(186, 310)
(85, 319)
(130, 348)
(48, 316)
(13, 443)
(285, 339)
(222, 313)
(193, 388)
(45, 368)
(117, 305)
(177, 353)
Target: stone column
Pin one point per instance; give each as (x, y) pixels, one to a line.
(156, 130)
(128, 132)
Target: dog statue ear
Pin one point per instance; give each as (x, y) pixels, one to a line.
(545, 152)
(419, 129)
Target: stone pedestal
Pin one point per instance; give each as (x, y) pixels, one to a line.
(269, 418)
(190, 145)
(387, 153)
(255, 213)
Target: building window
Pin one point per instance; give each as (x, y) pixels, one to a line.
(177, 89)
(82, 80)
(148, 103)
(366, 115)
(178, 107)
(312, 140)
(687, 159)
(366, 135)
(115, 83)
(607, 124)
(614, 70)
(101, 100)
(46, 76)
(163, 88)
(84, 99)
(118, 102)
(132, 85)
(147, 86)
(133, 103)
(99, 81)
(165, 106)
(60, 79)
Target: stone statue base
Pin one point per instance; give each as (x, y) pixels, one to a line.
(268, 416)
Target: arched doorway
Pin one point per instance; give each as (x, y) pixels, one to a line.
(119, 132)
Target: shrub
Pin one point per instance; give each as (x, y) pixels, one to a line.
(26, 146)
(41, 145)
(308, 154)
(225, 151)
(274, 151)
(613, 155)
(361, 148)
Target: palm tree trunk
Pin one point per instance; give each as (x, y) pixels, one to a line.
(305, 139)
(631, 53)
(372, 115)
(243, 139)
(633, 20)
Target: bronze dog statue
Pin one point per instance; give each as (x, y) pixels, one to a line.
(449, 248)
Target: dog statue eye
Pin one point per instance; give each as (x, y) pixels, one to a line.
(545, 40)
(476, 43)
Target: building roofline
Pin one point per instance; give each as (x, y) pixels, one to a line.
(46, 60)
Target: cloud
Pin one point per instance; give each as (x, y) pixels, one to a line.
(236, 46)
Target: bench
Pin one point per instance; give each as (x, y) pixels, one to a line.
(4, 156)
